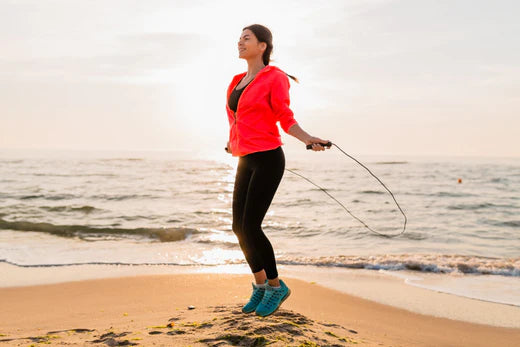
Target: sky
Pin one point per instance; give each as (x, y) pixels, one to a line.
(376, 77)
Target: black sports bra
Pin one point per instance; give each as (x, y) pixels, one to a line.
(235, 95)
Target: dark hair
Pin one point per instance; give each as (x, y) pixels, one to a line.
(263, 34)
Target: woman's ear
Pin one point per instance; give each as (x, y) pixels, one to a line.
(263, 46)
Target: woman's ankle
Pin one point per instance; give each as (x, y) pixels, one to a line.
(274, 282)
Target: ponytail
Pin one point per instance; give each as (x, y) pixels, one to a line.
(294, 78)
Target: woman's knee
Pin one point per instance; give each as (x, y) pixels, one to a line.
(251, 226)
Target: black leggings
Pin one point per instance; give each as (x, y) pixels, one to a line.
(258, 176)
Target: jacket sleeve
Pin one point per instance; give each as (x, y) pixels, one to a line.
(280, 102)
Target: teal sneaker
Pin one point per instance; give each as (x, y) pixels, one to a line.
(256, 297)
(272, 299)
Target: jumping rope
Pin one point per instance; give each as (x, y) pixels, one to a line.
(329, 144)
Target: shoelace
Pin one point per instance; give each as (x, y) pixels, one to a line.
(257, 295)
(271, 298)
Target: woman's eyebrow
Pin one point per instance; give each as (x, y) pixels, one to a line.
(245, 35)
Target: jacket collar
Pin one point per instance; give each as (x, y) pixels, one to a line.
(238, 77)
(269, 68)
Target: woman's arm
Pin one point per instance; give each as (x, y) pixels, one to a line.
(296, 131)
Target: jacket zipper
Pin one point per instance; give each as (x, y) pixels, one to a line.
(242, 94)
(235, 113)
(254, 78)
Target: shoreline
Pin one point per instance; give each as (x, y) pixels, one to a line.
(391, 289)
(153, 309)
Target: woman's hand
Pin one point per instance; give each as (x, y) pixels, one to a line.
(228, 149)
(317, 143)
(304, 137)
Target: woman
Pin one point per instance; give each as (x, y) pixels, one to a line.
(256, 101)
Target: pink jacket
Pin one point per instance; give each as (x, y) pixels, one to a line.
(264, 102)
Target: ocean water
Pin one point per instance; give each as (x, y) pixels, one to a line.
(61, 208)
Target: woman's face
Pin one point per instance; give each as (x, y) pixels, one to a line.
(249, 47)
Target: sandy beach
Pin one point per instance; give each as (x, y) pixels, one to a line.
(154, 154)
(150, 310)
